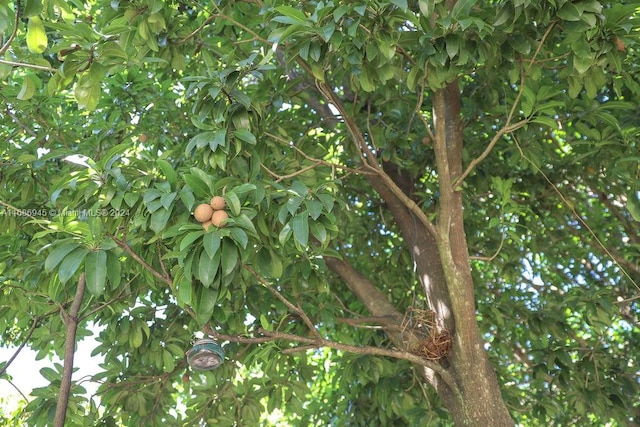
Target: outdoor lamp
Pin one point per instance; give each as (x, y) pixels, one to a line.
(205, 355)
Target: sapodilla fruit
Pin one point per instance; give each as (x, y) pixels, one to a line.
(218, 218)
(206, 225)
(203, 212)
(217, 203)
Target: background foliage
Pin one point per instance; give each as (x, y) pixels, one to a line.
(120, 117)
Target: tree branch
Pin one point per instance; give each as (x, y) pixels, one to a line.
(16, 22)
(25, 65)
(32, 329)
(125, 246)
(71, 322)
(508, 127)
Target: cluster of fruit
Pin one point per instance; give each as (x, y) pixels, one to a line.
(211, 213)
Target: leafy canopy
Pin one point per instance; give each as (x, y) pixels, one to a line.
(120, 117)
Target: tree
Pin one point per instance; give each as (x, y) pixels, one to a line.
(432, 208)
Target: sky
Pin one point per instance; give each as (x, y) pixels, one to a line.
(25, 369)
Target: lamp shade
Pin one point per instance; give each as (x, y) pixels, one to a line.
(205, 355)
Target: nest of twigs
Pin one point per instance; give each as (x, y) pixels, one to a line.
(433, 342)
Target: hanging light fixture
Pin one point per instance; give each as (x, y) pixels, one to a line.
(205, 355)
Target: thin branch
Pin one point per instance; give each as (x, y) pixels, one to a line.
(197, 30)
(508, 127)
(25, 65)
(71, 322)
(255, 35)
(17, 389)
(34, 325)
(291, 175)
(294, 309)
(496, 138)
(125, 246)
(16, 22)
(492, 257)
(165, 273)
(368, 350)
(369, 162)
(312, 159)
(581, 220)
(19, 122)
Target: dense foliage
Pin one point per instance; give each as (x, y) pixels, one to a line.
(120, 117)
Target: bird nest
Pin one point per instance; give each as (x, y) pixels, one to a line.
(424, 337)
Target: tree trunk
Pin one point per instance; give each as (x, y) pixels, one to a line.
(441, 259)
(442, 263)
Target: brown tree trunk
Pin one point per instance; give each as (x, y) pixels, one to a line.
(483, 404)
(442, 263)
(470, 390)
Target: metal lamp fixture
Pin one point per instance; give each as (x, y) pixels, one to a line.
(205, 355)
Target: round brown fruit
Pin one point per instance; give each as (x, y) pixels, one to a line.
(218, 218)
(203, 212)
(143, 138)
(217, 203)
(206, 225)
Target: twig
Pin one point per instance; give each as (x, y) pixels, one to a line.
(492, 257)
(197, 30)
(295, 309)
(125, 246)
(34, 325)
(503, 131)
(291, 175)
(16, 22)
(71, 322)
(508, 127)
(17, 389)
(25, 65)
(581, 220)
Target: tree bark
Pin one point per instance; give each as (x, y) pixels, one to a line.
(470, 365)
(71, 323)
(441, 259)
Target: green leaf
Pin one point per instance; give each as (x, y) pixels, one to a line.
(402, 4)
(229, 257)
(245, 135)
(28, 89)
(95, 267)
(189, 239)
(239, 236)
(211, 242)
(207, 269)
(197, 186)
(36, 36)
(295, 15)
(168, 361)
(462, 8)
(300, 226)
(285, 233)
(569, 12)
(206, 299)
(233, 202)
(185, 291)
(633, 205)
(159, 219)
(264, 322)
(70, 264)
(87, 95)
(113, 269)
(168, 171)
(31, 8)
(58, 254)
